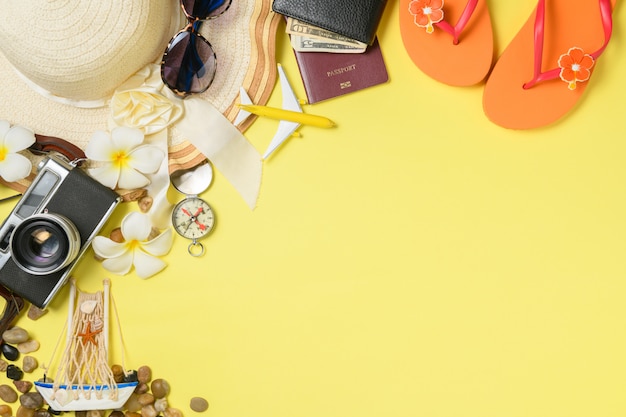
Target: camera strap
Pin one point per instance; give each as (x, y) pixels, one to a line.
(13, 307)
(46, 144)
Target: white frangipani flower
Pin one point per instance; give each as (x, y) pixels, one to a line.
(135, 250)
(122, 158)
(14, 166)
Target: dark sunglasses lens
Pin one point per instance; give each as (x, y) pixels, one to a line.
(189, 63)
(203, 9)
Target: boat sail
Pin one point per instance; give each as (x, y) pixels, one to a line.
(84, 379)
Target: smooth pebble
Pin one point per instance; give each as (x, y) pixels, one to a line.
(24, 412)
(14, 372)
(10, 352)
(145, 203)
(172, 412)
(7, 393)
(132, 404)
(198, 404)
(144, 374)
(32, 400)
(118, 373)
(142, 388)
(23, 386)
(42, 412)
(160, 388)
(28, 346)
(148, 411)
(145, 399)
(29, 364)
(34, 312)
(5, 410)
(15, 335)
(161, 404)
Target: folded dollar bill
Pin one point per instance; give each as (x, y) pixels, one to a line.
(309, 38)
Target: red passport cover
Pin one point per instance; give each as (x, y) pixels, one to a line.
(326, 75)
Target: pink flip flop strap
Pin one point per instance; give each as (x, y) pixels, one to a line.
(456, 30)
(606, 15)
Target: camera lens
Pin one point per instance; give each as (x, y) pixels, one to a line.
(44, 243)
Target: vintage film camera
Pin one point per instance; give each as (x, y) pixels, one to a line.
(49, 229)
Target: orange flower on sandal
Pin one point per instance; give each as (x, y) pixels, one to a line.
(575, 67)
(426, 12)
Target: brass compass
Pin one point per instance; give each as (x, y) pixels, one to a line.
(193, 218)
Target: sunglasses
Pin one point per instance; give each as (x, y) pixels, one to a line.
(189, 62)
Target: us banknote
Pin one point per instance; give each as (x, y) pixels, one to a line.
(305, 37)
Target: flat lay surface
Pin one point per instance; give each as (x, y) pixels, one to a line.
(414, 260)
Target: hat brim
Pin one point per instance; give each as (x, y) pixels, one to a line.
(244, 41)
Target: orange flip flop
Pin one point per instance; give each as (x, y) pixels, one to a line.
(452, 42)
(545, 69)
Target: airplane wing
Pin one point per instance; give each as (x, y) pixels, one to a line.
(244, 98)
(285, 129)
(290, 102)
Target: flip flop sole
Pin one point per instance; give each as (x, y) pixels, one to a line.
(506, 102)
(464, 64)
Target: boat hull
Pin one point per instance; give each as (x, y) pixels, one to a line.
(81, 403)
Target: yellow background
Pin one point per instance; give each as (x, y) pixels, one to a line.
(416, 260)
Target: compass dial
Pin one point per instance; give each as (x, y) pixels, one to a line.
(193, 218)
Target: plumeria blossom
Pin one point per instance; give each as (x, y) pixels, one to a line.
(575, 67)
(136, 250)
(14, 166)
(122, 158)
(426, 12)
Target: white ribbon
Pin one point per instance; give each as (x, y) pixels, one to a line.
(145, 103)
(224, 145)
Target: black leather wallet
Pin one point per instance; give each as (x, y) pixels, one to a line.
(356, 19)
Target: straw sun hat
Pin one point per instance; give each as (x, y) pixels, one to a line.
(61, 62)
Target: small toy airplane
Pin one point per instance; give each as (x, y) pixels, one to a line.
(290, 116)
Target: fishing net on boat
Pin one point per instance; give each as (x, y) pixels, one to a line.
(84, 369)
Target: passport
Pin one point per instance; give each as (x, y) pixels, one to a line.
(356, 19)
(327, 75)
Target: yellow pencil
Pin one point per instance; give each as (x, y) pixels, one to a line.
(291, 116)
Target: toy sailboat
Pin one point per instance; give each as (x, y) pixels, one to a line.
(84, 379)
